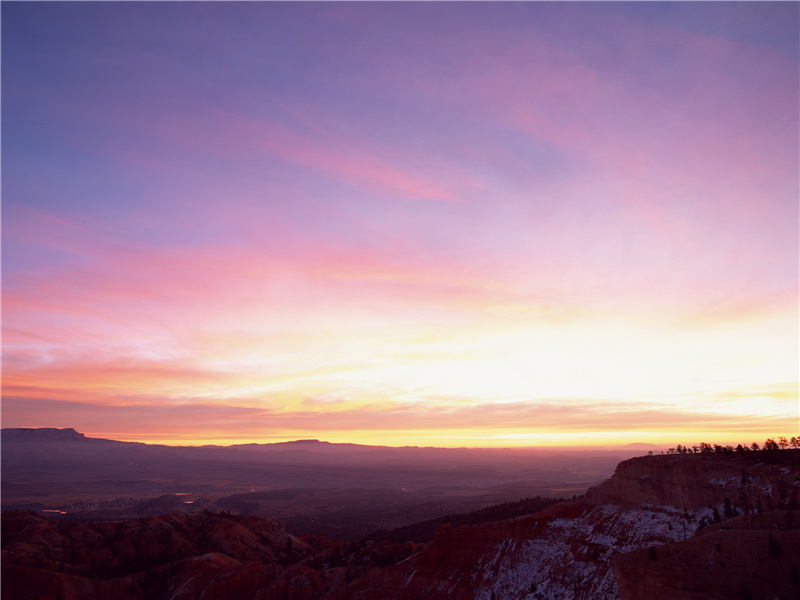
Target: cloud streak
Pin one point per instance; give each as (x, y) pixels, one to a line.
(439, 225)
(534, 422)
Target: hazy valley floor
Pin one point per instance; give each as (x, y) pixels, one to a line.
(343, 491)
(707, 526)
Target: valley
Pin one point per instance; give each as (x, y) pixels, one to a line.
(711, 525)
(344, 491)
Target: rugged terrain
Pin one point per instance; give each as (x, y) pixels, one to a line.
(750, 556)
(344, 491)
(700, 526)
(566, 551)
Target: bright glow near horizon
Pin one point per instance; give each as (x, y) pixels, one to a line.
(459, 224)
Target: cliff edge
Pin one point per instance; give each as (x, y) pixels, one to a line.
(748, 548)
(746, 480)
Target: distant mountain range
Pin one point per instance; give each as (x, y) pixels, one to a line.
(340, 490)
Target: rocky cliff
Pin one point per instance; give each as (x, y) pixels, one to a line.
(695, 481)
(748, 557)
(566, 551)
(660, 522)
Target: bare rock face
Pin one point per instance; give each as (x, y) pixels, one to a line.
(562, 552)
(696, 481)
(750, 557)
(566, 551)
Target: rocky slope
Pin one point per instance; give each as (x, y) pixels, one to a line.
(565, 551)
(642, 522)
(751, 556)
(177, 557)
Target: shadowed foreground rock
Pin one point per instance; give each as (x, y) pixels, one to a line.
(749, 557)
(178, 557)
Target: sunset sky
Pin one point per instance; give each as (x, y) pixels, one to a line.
(446, 224)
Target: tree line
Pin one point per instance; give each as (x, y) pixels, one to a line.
(423, 532)
(770, 444)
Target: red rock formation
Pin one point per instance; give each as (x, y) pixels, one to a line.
(693, 481)
(566, 550)
(178, 557)
(559, 553)
(751, 557)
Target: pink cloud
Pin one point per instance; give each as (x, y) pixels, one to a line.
(213, 135)
(342, 161)
(232, 421)
(660, 180)
(675, 149)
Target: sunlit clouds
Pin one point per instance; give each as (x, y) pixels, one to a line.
(426, 224)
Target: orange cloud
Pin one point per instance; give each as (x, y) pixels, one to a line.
(485, 424)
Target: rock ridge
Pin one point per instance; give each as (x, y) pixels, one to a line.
(696, 481)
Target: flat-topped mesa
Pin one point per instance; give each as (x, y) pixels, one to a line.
(748, 480)
(42, 434)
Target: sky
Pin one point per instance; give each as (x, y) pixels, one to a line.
(439, 224)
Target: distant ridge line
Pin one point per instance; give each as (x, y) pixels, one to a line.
(66, 432)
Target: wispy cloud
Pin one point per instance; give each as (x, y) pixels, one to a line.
(439, 225)
(193, 423)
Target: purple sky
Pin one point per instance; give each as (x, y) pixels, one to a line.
(401, 223)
